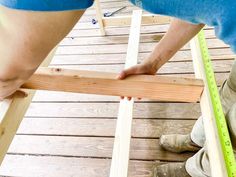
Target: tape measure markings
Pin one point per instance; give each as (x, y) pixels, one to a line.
(217, 107)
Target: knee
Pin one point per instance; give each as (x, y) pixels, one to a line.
(231, 120)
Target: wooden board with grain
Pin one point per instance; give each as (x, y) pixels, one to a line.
(121, 149)
(160, 88)
(91, 147)
(94, 127)
(212, 144)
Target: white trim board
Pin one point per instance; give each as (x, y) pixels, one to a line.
(213, 146)
(120, 157)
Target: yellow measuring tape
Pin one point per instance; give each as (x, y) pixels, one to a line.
(217, 107)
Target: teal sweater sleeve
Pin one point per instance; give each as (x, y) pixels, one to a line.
(47, 5)
(220, 14)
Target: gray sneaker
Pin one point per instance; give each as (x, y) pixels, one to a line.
(171, 170)
(178, 143)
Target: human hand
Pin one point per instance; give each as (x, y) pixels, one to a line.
(143, 68)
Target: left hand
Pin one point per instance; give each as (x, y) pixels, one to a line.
(9, 87)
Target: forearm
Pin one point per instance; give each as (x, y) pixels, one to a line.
(179, 33)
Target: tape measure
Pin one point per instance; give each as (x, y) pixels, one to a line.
(217, 107)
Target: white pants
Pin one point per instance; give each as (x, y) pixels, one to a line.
(198, 165)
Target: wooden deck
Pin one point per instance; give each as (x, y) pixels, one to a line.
(66, 134)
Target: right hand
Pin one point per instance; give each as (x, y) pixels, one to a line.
(143, 68)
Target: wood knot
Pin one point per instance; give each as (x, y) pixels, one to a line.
(2, 131)
(76, 76)
(58, 69)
